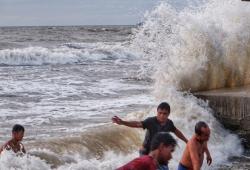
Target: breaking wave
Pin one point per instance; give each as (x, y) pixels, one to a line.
(69, 53)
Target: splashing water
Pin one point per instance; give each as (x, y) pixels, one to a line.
(199, 49)
(9, 160)
(195, 49)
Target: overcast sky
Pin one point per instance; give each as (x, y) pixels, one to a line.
(74, 12)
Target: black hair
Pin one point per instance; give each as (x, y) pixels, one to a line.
(199, 125)
(164, 106)
(162, 137)
(17, 128)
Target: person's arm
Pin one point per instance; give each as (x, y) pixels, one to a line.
(135, 124)
(180, 135)
(1, 149)
(209, 158)
(5, 147)
(193, 150)
(22, 148)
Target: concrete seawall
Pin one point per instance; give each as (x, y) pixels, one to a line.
(232, 108)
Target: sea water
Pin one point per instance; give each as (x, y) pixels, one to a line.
(65, 83)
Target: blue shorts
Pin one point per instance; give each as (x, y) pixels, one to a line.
(163, 167)
(182, 167)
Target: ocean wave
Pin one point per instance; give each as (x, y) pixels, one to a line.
(110, 146)
(92, 144)
(70, 53)
(198, 48)
(9, 160)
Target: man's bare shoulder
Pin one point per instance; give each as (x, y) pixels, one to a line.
(192, 143)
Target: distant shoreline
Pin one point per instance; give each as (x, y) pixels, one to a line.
(71, 26)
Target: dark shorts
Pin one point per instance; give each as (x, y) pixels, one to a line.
(163, 167)
(182, 167)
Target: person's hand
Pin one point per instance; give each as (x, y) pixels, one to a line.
(209, 159)
(117, 120)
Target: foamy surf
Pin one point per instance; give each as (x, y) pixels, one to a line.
(68, 53)
(104, 147)
(197, 48)
(193, 49)
(9, 160)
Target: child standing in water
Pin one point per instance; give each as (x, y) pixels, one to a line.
(158, 123)
(15, 143)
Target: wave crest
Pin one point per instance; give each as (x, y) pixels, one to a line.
(200, 48)
(71, 53)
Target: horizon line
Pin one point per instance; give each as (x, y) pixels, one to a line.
(69, 25)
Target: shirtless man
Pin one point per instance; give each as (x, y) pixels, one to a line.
(193, 154)
(15, 143)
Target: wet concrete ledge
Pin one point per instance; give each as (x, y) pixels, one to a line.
(232, 108)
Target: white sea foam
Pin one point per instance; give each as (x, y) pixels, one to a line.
(110, 161)
(9, 161)
(198, 49)
(73, 53)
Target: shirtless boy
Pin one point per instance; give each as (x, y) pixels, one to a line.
(15, 143)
